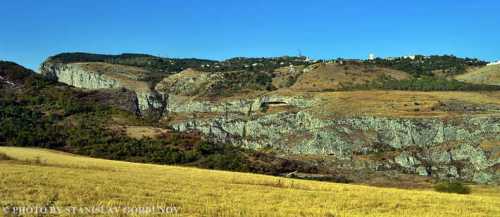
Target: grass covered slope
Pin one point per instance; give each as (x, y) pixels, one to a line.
(330, 76)
(485, 75)
(38, 177)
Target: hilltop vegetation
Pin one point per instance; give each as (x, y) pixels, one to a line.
(418, 73)
(149, 62)
(417, 66)
(430, 65)
(172, 65)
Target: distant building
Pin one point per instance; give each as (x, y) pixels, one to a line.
(371, 56)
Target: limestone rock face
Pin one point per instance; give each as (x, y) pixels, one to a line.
(75, 75)
(98, 76)
(424, 146)
(182, 104)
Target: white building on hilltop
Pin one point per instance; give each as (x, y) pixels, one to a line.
(411, 57)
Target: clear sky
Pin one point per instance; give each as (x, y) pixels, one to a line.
(32, 30)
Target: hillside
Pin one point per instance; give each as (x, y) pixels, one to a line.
(36, 111)
(48, 178)
(331, 76)
(344, 116)
(485, 75)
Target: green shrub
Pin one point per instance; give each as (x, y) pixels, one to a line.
(452, 187)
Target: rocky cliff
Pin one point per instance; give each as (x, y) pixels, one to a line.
(465, 147)
(107, 76)
(424, 134)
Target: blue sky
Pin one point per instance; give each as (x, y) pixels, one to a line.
(32, 30)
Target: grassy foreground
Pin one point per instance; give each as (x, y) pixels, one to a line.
(48, 178)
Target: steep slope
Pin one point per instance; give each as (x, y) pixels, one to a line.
(16, 78)
(485, 75)
(12, 74)
(62, 180)
(97, 75)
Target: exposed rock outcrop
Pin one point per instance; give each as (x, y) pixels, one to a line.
(189, 83)
(104, 76)
(294, 123)
(423, 146)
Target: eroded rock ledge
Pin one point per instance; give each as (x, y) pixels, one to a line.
(464, 146)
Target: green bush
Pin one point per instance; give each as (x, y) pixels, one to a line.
(452, 187)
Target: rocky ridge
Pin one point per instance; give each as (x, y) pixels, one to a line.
(78, 75)
(423, 146)
(460, 147)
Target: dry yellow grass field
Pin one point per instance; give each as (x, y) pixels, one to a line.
(37, 176)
